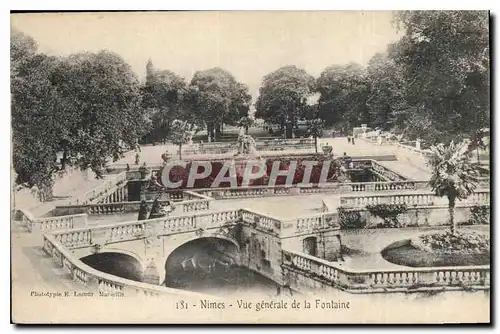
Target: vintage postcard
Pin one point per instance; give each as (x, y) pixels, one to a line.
(250, 167)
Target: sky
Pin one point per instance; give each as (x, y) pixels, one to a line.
(248, 44)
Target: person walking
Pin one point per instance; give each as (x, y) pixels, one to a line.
(348, 139)
(352, 140)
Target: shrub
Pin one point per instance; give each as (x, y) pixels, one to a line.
(480, 214)
(389, 213)
(349, 219)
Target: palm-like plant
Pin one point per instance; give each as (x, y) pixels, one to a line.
(452, 174)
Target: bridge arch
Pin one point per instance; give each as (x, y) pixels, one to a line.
(133, 254)
(117, 262)
(199, 254)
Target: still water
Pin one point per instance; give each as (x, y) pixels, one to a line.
(209, 266)
(201, 266)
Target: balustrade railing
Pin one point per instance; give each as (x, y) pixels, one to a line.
(44, 224)
(325, 188)
(410, 199)
(105, 234)
(310, 223)
(101, 282)
(386, 172)
(386, 280)
(124, 207)
(106, 188)
(261, 221)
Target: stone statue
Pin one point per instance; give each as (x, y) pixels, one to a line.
(154, 183)
(156, 210)
(143, 211)
(246, 145)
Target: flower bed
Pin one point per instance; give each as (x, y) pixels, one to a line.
(178, 173)
(442, 249)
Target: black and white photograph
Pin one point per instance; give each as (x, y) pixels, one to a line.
(250, 167)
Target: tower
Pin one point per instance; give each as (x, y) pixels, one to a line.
(149, 71)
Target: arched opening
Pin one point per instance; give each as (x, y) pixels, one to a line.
(211, 265)
(310, 246)
(118, 264)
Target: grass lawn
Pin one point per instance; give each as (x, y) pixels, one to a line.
(410, 256)
(465, 248)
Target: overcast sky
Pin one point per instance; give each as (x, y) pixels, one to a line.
(248, 44)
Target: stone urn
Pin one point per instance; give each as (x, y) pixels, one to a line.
(143, 170)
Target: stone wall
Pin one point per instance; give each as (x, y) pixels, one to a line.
(327, 244)
(261, 252)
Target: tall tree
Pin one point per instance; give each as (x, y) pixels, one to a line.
(35, 121)
(283, 97)
(316, 128)
(215, 97)
(343, 94)
(246, 122)
(162, 96)
(445, 59)
(100, 94)
(180, 134)
(387, 97)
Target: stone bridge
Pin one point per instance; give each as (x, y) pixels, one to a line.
(242, 237)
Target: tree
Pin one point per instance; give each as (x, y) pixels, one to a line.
(343, 95)
(444, 56)
(452, 174)
(36, 120)
(215, 97)
(387, 97)
(180, 134)
(316, 128)
(283, 97)
(162, 96)
(100, 95)
(246, 122)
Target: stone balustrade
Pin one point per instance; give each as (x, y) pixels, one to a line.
(102, 283)
(106, 188)
(125, 207)
(385, 172)
(413, 149)
(44, 224)
(326, 188)
(361, 201)
(195, 205)
(410, 199)
(261, 221)
(371, 281)
(478, 197)
(119, 232)
(310, 223)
